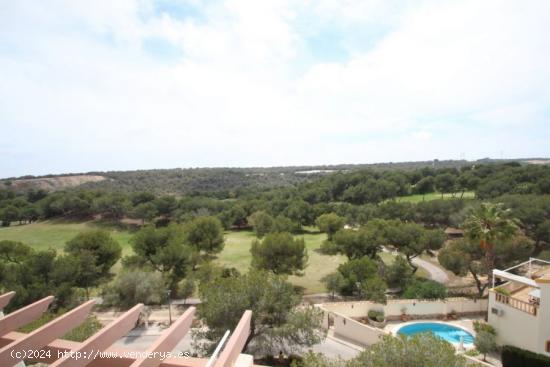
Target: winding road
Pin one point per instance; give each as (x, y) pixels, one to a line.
(436, 273)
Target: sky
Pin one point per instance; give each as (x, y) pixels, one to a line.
(119, 85)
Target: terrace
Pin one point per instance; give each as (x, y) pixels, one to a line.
(520, 289)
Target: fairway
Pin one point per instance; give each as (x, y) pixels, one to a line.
(236, 253)
(54, 234)
(434, 196)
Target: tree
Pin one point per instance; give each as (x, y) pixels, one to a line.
(333, 283)
(445, 183)
(399, 274)
(489, 225)
(90, 257)
(164, 250)
(424, 186)
(100, 245)
(367, 241)
(485, 342)
(277, 323)
(145, 212)
(425, 289)
(424, 350)
(412, 240)
(262, 223)
(280, 253)
(330, 223)
(466, 256)
(374, 289)
(421, 350)
(135, 286)
(9, 214)
(355, 273)
(113, 206)
(205, 234)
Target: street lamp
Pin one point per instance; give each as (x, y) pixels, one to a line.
(168, 293)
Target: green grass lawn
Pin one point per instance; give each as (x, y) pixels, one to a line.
(54, 234)
(434, 196)
(236, 253)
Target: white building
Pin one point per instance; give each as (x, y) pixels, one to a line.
(519, 309)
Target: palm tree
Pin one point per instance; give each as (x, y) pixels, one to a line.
(489, 225)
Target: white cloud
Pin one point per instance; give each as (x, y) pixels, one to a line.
(78, 85)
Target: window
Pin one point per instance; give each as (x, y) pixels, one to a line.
(548, 346)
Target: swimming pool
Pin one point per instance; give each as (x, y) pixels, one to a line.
(447, 332)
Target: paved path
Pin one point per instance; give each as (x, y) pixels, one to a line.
(140, 339)
(436, 273)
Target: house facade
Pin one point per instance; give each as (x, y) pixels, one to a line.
(519, 306)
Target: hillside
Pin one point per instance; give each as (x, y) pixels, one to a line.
(218, 180)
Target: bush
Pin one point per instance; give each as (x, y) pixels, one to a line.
(503, 291)
(425, 289)
(513, 357)
(376, 315)
(328, 248)
(135, 286)
(480, 326)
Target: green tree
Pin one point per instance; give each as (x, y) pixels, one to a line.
(277, 322)
(412, 240)
(330, 223)
(374, 289)
(424, 186)
(103, 249)
(135, 286)
(367, 241)
(399, 274)
(280, 253)
(333, 283)
(489, 226)
(262, 222)
(425, 289)
(466, 256)
(421, 350)
(145, 212)
(164, 250)
(9, 214)
(205, 234)
(113, 206)
(355, 273)
(485, 342)
(445, 183)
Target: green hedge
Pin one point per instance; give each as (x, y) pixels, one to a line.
(515, 357)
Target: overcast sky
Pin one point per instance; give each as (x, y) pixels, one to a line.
(116, 85)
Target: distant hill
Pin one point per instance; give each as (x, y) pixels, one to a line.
(213, 180)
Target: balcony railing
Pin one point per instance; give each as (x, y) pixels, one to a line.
(517, 303)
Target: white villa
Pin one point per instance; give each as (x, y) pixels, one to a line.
(519, 309)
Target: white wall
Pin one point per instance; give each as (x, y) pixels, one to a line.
(355, 331)
(514, 327)
(544, 318)
(413, 307)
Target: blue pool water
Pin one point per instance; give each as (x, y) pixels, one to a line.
(446, 332)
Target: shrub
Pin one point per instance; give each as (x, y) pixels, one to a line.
(376, 315)
(485, 343)
(503, 291)
(513, 357)
(135, 286)
(328, 248)
(480, 326)
(425, 289)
